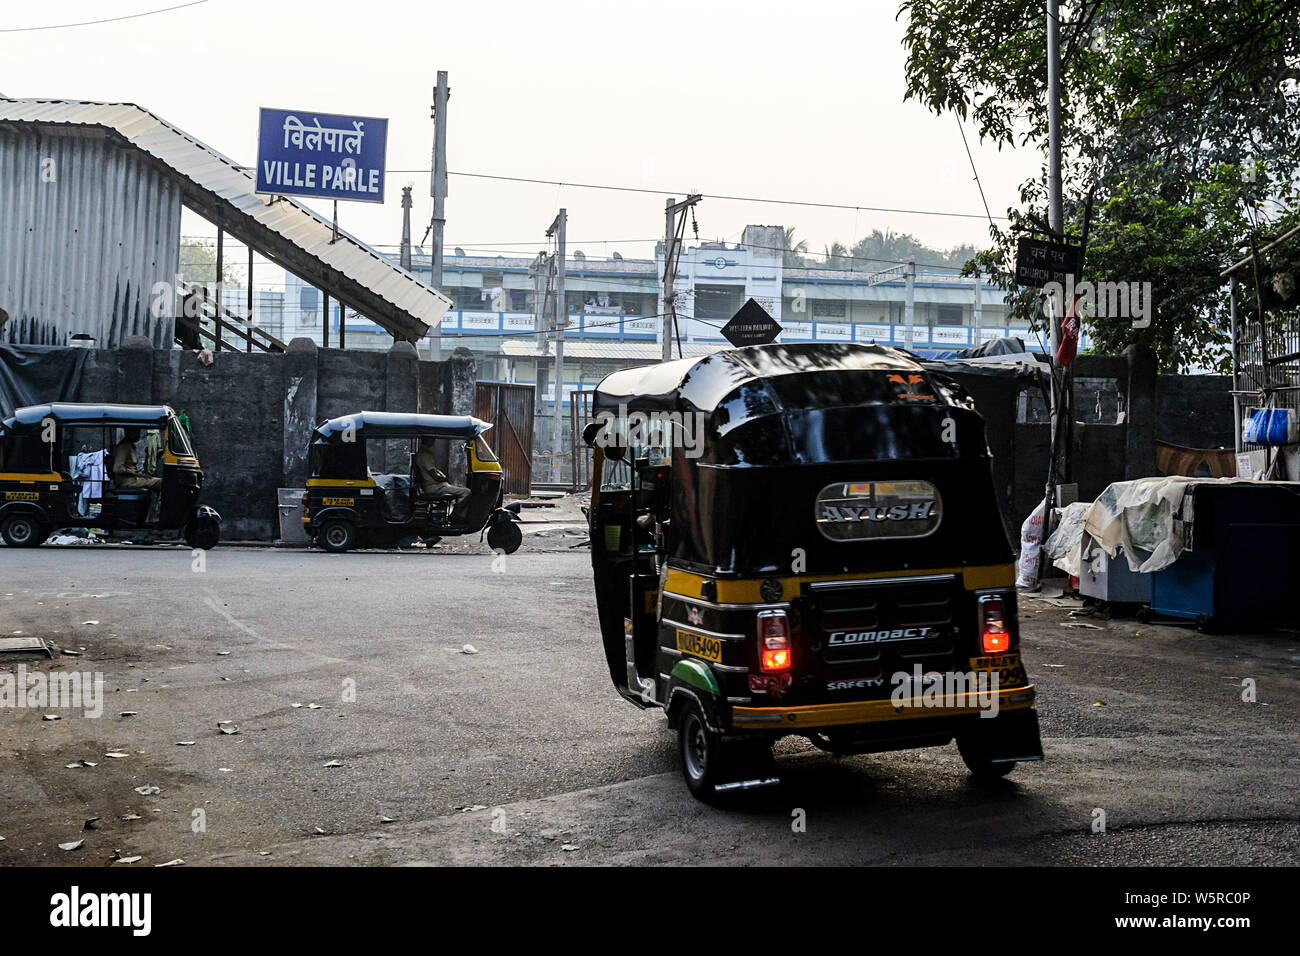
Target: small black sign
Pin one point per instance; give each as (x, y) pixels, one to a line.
(751, 326)
(1040, 261)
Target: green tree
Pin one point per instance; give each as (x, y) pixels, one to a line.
(795, 252)
(1179, 115)
(198, 263)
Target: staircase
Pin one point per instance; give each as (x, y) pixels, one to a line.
(204, 322)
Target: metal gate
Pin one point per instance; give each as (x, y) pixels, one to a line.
(509, 409)
(580, 404)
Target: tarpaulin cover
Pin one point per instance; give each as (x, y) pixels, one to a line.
(36, 374)
(1145, 515)
(1065, 544)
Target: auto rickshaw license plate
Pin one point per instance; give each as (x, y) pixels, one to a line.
(1006, 666)
(698, 645)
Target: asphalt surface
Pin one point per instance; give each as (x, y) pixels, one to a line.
(522, 753)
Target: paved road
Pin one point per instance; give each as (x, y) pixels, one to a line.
(516, 752)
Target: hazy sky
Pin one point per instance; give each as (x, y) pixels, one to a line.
(783, 100)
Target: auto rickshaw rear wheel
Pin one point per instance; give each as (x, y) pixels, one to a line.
(505, 536)
(337, 535)
(978, 763)
(701, 752)
(23, 531)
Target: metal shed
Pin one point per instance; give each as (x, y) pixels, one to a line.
(90, 206)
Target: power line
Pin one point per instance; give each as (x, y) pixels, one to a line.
(675, 192)
(91, 23)
(668, 192)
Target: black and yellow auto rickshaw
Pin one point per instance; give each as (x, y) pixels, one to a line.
(349, 505)
(804, 539)
(57, 471)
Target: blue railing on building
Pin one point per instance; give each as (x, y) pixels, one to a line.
(643, 328)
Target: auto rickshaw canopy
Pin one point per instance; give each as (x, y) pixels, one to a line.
(364, 425)
(72, 413)
(761, 438)
(789, 404)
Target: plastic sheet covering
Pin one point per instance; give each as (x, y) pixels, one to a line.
(1065, 544)
(36, 374)
(1133, 516)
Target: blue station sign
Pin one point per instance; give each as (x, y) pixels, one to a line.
(300, 153)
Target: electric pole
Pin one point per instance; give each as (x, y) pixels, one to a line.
(561, 320)
(1055, 201)
(674, 227)
(438, 190)
(406, 228)
(909, 305)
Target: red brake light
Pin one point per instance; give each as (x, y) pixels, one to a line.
(994, 636)
(773, 641)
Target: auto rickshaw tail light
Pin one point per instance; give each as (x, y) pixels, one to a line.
(994, 636)
(773, 641)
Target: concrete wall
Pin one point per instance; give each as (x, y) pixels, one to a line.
(1195, 410)
(253, 413)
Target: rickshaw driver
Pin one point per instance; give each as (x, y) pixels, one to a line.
(125, 471)
(432, 482)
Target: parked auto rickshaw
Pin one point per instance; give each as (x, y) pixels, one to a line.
(348, 505)
(57, 471)
(804, 539)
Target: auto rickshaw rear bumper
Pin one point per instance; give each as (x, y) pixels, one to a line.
(818, 716)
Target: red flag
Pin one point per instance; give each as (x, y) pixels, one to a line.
(1069, 346)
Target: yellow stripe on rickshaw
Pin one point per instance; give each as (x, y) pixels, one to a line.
(749, 590)
(871, 711)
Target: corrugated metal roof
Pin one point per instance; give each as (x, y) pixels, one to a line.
(279, 228)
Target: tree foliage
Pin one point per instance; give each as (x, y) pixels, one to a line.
(1182, 115)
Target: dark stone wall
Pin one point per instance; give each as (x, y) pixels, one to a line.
(253, 413)
(1195, 410)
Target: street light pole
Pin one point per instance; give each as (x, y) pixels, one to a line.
(561, 320)
(438, 189)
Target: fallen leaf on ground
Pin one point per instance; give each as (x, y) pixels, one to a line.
(116, 753)
(128, 859)
(185, 743)
(334, 763)
(176, 862)
(71, 846)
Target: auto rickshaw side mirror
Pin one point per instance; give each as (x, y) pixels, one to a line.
(591, 432)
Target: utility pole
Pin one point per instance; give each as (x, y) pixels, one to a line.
(539, 271)
(557, 231)
(438, 190)
(1055, 200)
(673, 230)
(909, 305)
(977, 313)
(406, 228)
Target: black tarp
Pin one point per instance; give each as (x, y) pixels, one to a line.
(36, 374)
